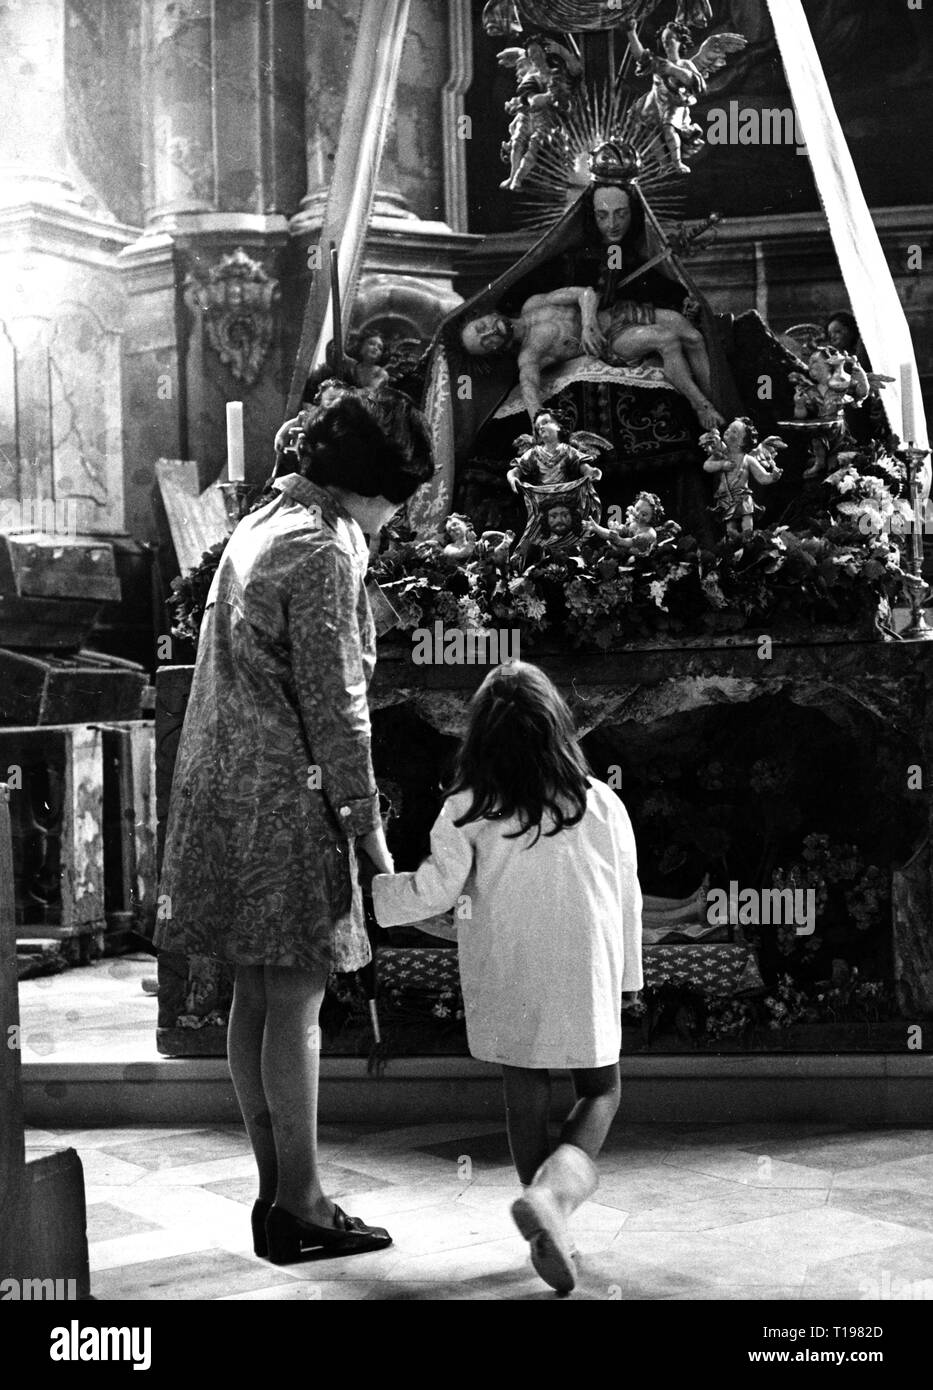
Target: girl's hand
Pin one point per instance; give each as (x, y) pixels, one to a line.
(376, 850)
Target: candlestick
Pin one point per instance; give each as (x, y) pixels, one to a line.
(908, 417)
(238, 498)
(236, 469)
(917, 589)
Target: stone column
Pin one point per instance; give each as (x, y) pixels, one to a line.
(224, 130)
(61, 312)
(411, 251)
(33, 149)
(178, 74)
(330, 33)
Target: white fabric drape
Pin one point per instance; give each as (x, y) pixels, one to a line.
(370, 101)
(868, 280)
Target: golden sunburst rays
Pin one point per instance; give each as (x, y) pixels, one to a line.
(561, 172)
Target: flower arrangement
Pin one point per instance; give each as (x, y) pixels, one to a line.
(787, 1005)
(843, 567)
(849, 998)
(729, 1018)
(189, 594)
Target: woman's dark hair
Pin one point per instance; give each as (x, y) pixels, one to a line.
(374, 444)
(520, 754)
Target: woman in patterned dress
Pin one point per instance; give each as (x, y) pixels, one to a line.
(273, 788)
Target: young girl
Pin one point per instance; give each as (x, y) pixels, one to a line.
(552, 937)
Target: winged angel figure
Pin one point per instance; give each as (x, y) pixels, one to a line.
(676, 84)
(547, 74)
(552, 473)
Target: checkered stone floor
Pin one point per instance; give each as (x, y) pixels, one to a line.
(752, 1211)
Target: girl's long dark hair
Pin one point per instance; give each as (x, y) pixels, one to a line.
(520, 754)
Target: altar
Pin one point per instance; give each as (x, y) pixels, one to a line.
(870, 700)
(705, 531)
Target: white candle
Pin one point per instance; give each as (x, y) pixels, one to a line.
(909, 429)
(236, 470)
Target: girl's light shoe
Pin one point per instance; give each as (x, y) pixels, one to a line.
(562, 1182)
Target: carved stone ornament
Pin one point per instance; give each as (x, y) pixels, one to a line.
(237, 300)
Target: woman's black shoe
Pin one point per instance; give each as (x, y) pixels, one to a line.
(291, 1240)
(259, 1217)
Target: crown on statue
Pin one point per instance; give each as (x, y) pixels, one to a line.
(614, 163)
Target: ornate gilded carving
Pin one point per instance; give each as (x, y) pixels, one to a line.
(237, 301)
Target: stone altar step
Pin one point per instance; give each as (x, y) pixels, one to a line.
(862, 1088)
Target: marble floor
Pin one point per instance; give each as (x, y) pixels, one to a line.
(94, 1013)
(683, 1212)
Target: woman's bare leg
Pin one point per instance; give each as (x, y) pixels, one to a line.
(290, 1066)
(527, 1108)
(244, 1050)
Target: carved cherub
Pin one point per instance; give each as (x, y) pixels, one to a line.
(461, 539)
(501, 17)
(495, 546)
(544, 460)
(366, 367)
(638, 535)
(834, 380)
(740, 460)
(676, 84)
(547, 74)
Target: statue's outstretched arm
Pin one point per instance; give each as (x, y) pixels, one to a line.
(529, 380)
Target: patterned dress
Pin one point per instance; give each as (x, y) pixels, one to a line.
(274, 774)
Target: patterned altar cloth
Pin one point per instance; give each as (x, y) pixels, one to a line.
(716, 969)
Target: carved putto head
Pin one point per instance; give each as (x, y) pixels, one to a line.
(236, 299)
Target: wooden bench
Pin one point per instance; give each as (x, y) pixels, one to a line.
(43, 1226)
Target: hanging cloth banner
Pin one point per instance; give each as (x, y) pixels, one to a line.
(371, 98)
(872, 292)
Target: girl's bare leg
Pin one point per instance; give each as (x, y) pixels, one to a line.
(290, 1067)
(527, 1108)
(244, 1050)
(597, 1090)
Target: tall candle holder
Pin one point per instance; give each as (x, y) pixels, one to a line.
(918, 591)
(238, 498)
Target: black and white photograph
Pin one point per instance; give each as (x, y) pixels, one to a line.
(466, 668)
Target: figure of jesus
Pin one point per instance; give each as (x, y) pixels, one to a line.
(568, 323)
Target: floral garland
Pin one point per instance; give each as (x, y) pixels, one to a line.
(842, 567)
(189, 594)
